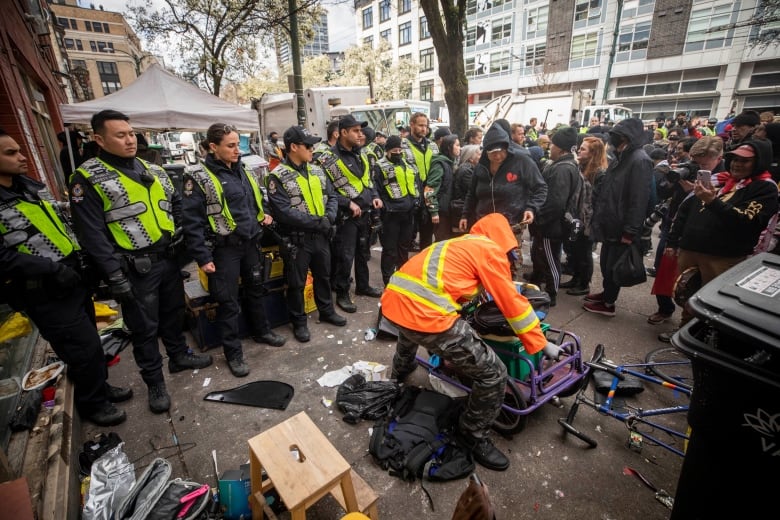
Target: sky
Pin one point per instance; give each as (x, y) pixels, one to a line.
(341, 35)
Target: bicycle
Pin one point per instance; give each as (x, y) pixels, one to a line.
(670, 371)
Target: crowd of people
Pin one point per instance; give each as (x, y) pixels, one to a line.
(465, 204)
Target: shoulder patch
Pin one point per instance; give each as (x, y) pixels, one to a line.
(77, 193)
(189, 185)
(272, 186)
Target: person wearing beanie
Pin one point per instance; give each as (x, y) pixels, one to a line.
(397, 184)
(440, 133)
(742, 128)
(504, 182)
(619, 214)
(551, 227)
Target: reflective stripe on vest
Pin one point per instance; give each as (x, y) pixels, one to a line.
(415, 157)
(220, 218)
(398, 179)
(35, 229)
(305, 193)
(345, 182)
(136, 215)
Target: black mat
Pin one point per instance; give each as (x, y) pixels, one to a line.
(261, 394)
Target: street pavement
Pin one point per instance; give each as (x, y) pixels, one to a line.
(550, 476)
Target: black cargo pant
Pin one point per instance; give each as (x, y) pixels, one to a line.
(67, 322)
(463, 348)
(396, 238)
(312, 252)
(351, 247)
(234, 258)
(157, 311)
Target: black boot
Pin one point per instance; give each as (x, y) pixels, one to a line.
(159, 400)
(484, 452)
(345, 302)
(188, 360)
(569, 284)
(107, 415)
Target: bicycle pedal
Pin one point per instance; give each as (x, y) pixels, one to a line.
(635, 441)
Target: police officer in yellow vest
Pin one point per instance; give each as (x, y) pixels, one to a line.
(418, 152)
(125, 211)
(40, 274)
(223, 219)
(396, 183)
(304, 205)
(350, 174)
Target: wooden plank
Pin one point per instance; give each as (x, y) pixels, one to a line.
(366, 496)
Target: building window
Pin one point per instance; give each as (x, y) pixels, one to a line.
(424, 32)
(426, 90)
(109, 76)
(471, 36)
(634, 8)
(79, 45)
(105, 46)
(534, 59)
(500, 62)
(368, 41)
(537, 22)
(471, 7)
(405, 57)
(481, 64)
(584, 50)
(501, 28)
(384, 11)
(69, 43)
(587, 12)
(426, 59)
(386, 34)
(97, 27)
(405, 33)
(368, 17)
(701, 34)
(469, 66)
(88, 25)
(79, 64)
(404, 6)
(93, 46)
(632, 42)
(105, 28)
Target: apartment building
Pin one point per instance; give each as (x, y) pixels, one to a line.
(656, 57)
(103, 52)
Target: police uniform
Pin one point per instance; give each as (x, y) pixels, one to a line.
(39, 262)
(349, 172)
(125, 211)
(223, 208)
(304, 206)
(418, 155)
(397, 187)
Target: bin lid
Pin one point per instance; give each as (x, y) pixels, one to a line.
(744, 300)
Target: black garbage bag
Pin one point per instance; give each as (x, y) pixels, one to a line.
(361, 399)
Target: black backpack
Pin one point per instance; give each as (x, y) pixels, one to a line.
(416, 439)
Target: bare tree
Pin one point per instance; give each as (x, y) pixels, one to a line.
(215, 40)
(446, 23)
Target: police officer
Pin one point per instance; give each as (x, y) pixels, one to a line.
(125, 211)
(396, 183)
(418, 152)
(350, 174)
(223, 213)
(40, 275)
(305, 205)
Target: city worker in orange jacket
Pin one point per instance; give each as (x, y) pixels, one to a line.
(424, 298)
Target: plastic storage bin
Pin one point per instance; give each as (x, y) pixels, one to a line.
(733, 457)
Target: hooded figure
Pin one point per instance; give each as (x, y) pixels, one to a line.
(516, 186)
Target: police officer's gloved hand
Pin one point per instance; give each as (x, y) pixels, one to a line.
(65, 277)
(552, 351)
(324, 226)
(119, 287)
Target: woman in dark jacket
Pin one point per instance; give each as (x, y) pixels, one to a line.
(439, 186)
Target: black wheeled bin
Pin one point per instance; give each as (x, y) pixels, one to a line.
(176, 172)
(732, 464)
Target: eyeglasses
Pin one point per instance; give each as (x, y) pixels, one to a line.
(674, 138)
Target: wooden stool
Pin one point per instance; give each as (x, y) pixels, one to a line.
(303, 466)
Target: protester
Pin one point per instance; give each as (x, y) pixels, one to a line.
(440, 185)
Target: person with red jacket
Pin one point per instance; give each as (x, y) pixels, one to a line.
(423, 300)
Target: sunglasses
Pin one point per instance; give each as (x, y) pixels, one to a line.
(226, 129)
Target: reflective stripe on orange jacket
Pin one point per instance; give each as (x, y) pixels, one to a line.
(427, 292)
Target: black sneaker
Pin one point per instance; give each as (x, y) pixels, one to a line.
(116, 394)
(238, 367)
(270, 338)
(301, 333)
(159, 400)
(188, 360)
(343, 300)
(578, 291)
(484, 452)
(334, 319)
(369, 291)
(107, 415)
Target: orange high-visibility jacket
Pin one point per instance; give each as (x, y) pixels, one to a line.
(427, 292)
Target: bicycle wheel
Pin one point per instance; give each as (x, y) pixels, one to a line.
(507, 422)
(671, 365)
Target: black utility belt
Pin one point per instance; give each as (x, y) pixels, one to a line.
(230, 240)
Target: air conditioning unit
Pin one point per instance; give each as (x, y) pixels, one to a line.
(38, 24)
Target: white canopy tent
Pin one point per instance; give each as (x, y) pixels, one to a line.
(159, 100)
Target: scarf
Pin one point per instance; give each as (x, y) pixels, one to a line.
(729, 183)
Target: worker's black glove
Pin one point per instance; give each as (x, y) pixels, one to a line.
(65, 278)
(119, 287)
(323, 226)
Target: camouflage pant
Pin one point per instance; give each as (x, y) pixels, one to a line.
(462, 348)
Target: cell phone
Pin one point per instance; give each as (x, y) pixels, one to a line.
(704, 177)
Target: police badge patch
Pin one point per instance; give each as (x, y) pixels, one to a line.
(272, 186)
(189, 185)
(77, 193)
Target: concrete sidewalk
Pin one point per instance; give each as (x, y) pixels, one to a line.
(549, 478)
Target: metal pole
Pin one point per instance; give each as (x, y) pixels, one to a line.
(296, 61)
(612, 50)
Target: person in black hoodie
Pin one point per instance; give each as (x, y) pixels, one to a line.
(619, 212)
(504, 182)
(719, 227)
